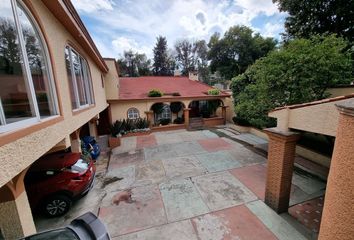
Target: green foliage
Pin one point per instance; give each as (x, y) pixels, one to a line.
(213, 105)
(176, 107)
(164, 121)
(239, 48)
(121, 127)
(209, 108)
(155, 93)
(134, 65)
(308, 17)
(157, 108)
(178, 120)
(298, 72)
(163, 63)
(213, 91)
(240, 121)
(192, 56)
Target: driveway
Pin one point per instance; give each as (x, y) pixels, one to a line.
(187, 185)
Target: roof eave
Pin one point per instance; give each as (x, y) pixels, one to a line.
(66, 14)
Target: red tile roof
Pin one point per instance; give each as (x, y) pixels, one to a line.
(326, 100)
(138, 87)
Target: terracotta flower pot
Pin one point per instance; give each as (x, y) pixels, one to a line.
(114, 142)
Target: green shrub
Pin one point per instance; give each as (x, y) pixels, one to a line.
(213, 91)
(240, 121)
(155, 93)
(299, 71)
(178, 120)
(164, 121)
(121, 127)
(157, 108)
(176, 107)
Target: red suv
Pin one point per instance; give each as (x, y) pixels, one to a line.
(55, 180)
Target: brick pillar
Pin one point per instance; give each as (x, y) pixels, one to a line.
(281, 153)
(16, 220)
(337, 218)
(150, 117)
(75, 141)
(186, 116)
(223, 112)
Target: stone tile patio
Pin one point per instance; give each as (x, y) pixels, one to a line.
(192, 185)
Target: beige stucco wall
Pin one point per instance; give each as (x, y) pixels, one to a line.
(19, 154)
(320, 118)
(230, 112)
(340, 91)
(119, 109)
(16, 218)
(111, 80)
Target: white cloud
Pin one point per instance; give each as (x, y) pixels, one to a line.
(122, 44)
(91, 6)
(136, 24)
(272, 29)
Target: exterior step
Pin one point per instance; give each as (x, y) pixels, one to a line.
(196, 123)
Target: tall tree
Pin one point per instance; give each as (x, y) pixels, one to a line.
(192, 56)
(202, 60)
(134, 64)
(308, 17)
(161, 60)
(299, 71)
(238, 49)
(185, 55)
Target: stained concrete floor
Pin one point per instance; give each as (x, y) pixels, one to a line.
(189, 185)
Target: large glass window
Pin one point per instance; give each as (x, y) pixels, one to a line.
(27, 91)
(79, 79)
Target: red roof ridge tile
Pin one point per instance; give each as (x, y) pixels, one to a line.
(325, 100)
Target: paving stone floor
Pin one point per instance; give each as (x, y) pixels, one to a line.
(193, 185)
(188, 185)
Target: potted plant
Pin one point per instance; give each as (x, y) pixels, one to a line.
(155, 93)
(116, 133)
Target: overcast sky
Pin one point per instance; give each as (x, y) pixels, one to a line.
(118, 25)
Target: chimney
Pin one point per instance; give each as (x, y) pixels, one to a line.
(193, 75)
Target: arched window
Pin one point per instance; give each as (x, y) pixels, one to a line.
(27, 90)
(166, 112)
(133, 113)
(79, 79)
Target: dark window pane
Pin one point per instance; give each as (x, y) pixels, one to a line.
(79, 79)
(71, 83)
(14, 90)
(38, 66)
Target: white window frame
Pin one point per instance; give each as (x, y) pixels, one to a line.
(87, 81)
(5, 127)
(133, 113)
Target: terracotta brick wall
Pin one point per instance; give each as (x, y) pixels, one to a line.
(280, 170)
(337, 219)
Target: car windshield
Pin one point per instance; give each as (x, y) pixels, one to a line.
(59, 234)
(80, 166)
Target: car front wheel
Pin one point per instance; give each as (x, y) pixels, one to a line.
(57, 205)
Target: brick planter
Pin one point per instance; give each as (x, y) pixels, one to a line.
(132, 134)
(113, 142)
(168, 127)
